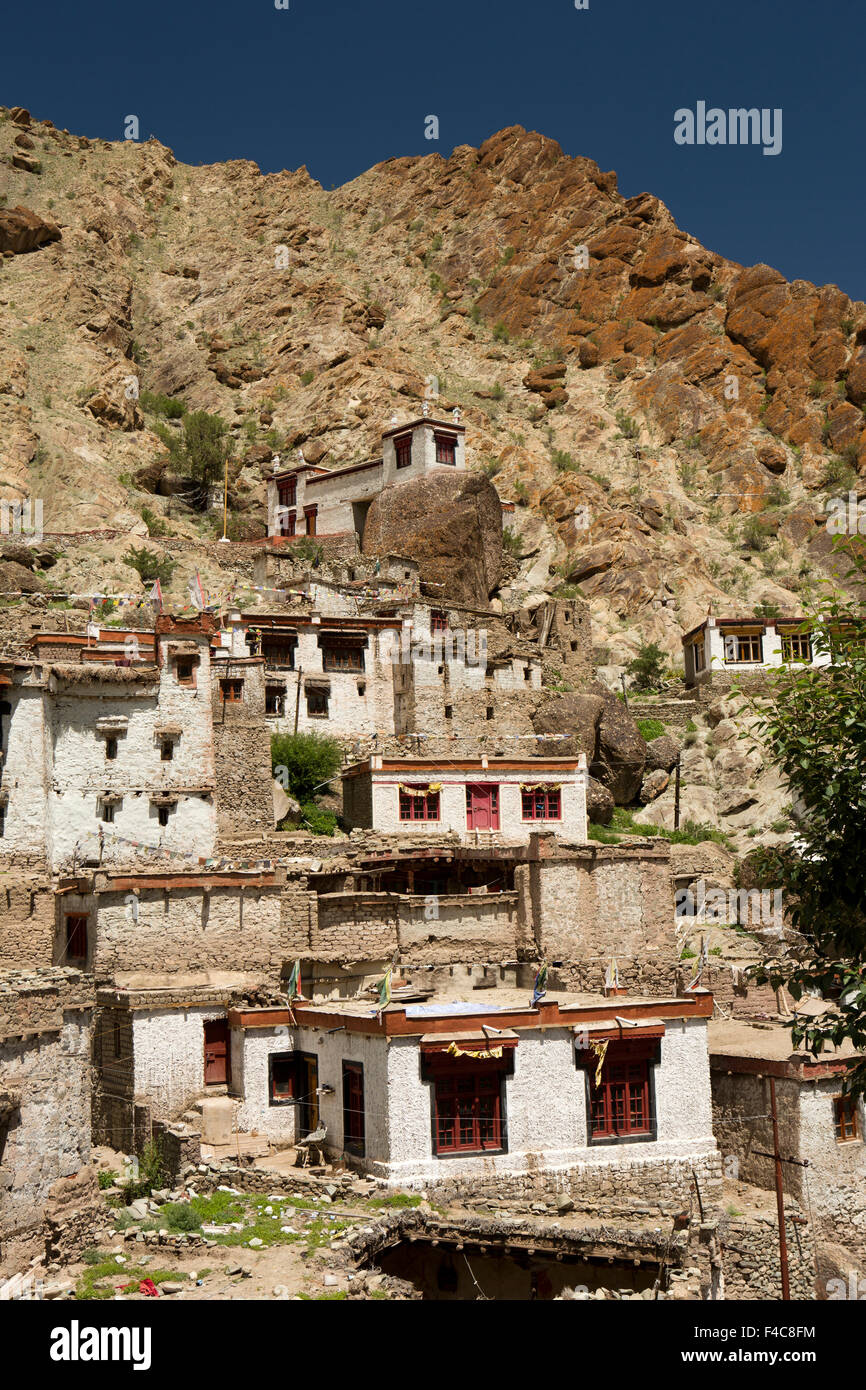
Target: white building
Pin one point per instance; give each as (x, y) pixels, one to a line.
(508, 797)
(308, 500)
(738, 646)
(107, 740)
(488, 1089)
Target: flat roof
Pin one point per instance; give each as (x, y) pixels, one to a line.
(410, 765)
(751, 619)
(741, 1045)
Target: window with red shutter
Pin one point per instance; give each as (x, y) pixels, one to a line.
(541, 805)
(467, 1112)
(425, 806)
(621, 1105)
(403, 449)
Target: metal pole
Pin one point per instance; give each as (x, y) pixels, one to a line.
(677, 795)
(780, 1201)
(298, 698)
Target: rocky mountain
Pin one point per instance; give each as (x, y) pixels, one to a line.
(669, 424)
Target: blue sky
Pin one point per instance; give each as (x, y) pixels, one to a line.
(339, 86)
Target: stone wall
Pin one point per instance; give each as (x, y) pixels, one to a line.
(242, 751)
(433, 930)
(750, 1247)
(26, 921)
(45, 1134)
(176, 928)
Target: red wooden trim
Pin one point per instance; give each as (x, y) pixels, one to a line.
(217, 880)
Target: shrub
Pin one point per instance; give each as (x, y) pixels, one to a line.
(755, 534)
(319, 820)
(155, 524)
(512, 543)
(648, 667)
(206, 446)
(156, 404)
(500, 332)
(650, 728)
(106, 1178)
(149, 565)
(628, 428)
(180, 1216)
(521, 494)
(307, 377)
(563, 461)
(309, 760)
(307, 549)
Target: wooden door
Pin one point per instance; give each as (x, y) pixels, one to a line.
(308, 1100)
(216, 1052)
(482, 807)
(353, 1108)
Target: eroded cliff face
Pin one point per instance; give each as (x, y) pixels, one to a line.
(669, 423)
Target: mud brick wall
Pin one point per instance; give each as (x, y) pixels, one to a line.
(674, 713)
(588, 906)
(190, 929)
(242, 751)
(26, 922)
(433, 930)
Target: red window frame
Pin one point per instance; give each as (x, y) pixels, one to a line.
(539, 805)
(76, 937)
(288, 492)
(467, 1112)
(621, 1106)
(310, 514)
(424, 806)
(446, 448)
(403, 450)
(845, 1119)
(438, 621)
(232, 692)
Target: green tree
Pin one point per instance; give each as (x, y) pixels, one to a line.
(303, 763)
(206, 446)
(150, 565)
(648, 667)
(812, 721)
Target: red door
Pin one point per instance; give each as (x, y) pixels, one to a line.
(216, 1052)
(482, 807)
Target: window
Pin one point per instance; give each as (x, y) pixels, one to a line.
(342, 658)
(742, 647)
(106, 811)
(163, 813)
(317, 704)
(310, 514)
(279, 651)
(796, 646)
(845, 1118)
(274, 699)
(185, 669)
(449, 711)
(2, 819)
(288, 492)
(527, 673)
(232, 692)
(111, 749)
(468, 1112)
(353, 1108)
(620, 1106)
(539, 804)
(283, 1072)
(76, 938)
(403, 449)
(362, 687)
(421, 806)
(446, 448)
(698, 650)
(489, 711)
(166, 750)
(438, 621)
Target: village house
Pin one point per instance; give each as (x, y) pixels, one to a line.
(503, 797)
(821, 1127)
(45, 1133)
(583, 1093)
(309, 500)
(120, 742)
(728, 647)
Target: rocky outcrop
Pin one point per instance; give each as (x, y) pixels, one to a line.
(450, 523)
(662, 753)
(599, 725)
(23, 230)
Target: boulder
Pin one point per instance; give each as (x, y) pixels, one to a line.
(23, 230)
(662, 753)
(450, 523)
(653, 785)
(599, 802)
(576, 715)
(620, 755)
